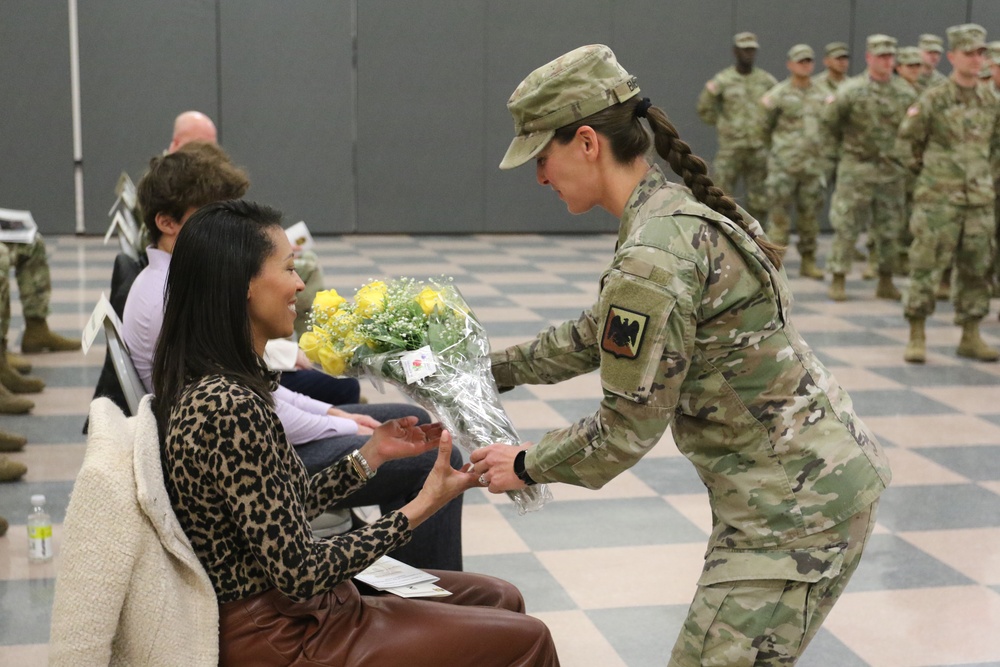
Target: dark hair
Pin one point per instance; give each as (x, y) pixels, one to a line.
(206, 321)
(629, 140)
(196, 174)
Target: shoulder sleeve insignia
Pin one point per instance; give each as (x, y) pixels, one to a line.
(913, 110)
(712, 86)
(623, 332)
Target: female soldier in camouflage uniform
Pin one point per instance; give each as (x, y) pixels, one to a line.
(691, 331)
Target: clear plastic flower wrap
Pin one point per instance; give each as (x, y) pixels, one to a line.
(424, 339)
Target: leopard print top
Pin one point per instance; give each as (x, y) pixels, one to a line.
(244, 499)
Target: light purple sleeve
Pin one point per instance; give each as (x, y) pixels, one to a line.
(143, 318)
(305, 419)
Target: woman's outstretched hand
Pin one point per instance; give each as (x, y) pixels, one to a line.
(400, 439)
(442, 485)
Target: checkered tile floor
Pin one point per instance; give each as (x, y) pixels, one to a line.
(612, 571)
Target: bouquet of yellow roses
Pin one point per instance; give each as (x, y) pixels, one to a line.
(423, 338)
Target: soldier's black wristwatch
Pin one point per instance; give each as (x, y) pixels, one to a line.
(519, 470)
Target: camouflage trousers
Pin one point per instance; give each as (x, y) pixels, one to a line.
(307, 266)
(749, 163)
(31, 267)
(803, 191)
(769, 620)
(856, 202)
(951, 236)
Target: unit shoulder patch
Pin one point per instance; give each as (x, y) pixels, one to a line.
(623, 332)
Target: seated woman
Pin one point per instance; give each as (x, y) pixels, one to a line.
(244, 499)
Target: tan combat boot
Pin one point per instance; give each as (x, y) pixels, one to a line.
(10, 404)
(838, 288)
(11, 442)
(10, 470)
(18, 363)
(885, 289)
(916, 348)
(39, 338)
(972, 346)
(808, 268)
(14, 381)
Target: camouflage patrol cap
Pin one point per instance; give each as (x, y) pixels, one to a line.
(928, 42)
(966, 37)
(880, 45)
(573, 86)
(746, 40)
(837, 50)
(909, 55)
(801, 52)
(994, 52)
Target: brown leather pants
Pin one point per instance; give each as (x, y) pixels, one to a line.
(481, 624)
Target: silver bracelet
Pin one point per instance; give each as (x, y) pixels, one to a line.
(361, 466)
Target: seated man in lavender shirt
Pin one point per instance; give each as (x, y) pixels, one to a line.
(176, 185)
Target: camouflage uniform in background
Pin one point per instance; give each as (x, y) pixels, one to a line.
(730, 102)
(795, 162)
(954, 135)
(691, 332)
(308, 268)
(862, 118)
(31, 267)
(829, 86)
(929, 79)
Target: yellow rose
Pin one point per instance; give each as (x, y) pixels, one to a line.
(311, 344)
(328, 300)
(429, 300)
(332, 361)
(371, 298)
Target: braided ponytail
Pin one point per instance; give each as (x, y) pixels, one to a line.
(629, 140)
(694, 171)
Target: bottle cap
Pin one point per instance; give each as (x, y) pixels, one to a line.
(38, 499)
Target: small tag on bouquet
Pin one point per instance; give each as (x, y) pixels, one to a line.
(418, 364)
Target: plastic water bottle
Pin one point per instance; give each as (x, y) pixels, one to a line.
(39, 531)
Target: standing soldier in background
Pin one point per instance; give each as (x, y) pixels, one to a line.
(931, 48)
(993, 61)
(953, 132)
(836, 60)
(730, 102)
(795, 161)
(909, 65)
(862, 118)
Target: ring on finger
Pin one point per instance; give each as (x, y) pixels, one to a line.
(482, 480)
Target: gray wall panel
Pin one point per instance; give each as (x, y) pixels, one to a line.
(522, 35)
(36, 135)
(987, 14)
(420, 116)
(141, 63)
(674, 48)
(286, 90)
(905, 20)
(779, 24)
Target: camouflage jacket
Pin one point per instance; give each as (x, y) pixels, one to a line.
(792, 126)
(690, 331)
(730, 102)
(930, 79)
(826, 84)
(862, 118)
(955, 144)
